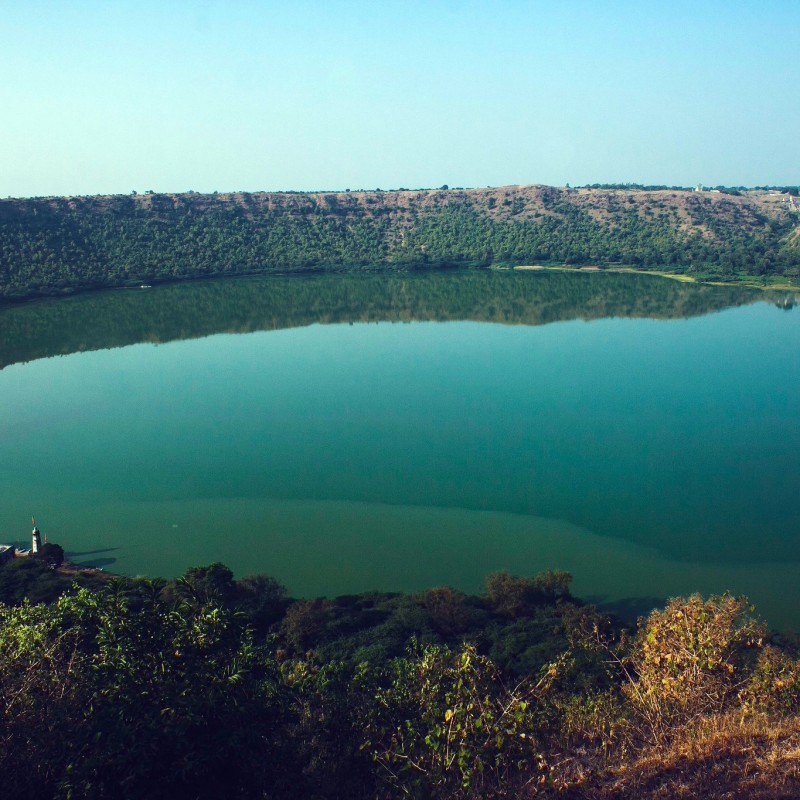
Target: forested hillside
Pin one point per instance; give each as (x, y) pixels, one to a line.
(56, 245)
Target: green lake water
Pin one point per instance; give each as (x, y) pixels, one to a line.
(354, 433)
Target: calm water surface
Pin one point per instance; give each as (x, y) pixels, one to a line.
(649, 457)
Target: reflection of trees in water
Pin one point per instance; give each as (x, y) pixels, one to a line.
(186, 311)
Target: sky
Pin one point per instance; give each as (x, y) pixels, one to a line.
(100, 97)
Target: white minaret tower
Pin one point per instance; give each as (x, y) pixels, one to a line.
(36, 537)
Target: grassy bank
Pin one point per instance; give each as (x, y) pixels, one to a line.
(764, 282)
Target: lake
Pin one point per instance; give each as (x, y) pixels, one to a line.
(347, 433)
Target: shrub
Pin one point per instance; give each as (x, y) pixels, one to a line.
(595, 719)
(304, 622)
(447, 609)
(262, 598)
(509, 595)
(206, 585)
(446, 726)
(691, 659)
(513, 596)
(553, 584)
(774, 684)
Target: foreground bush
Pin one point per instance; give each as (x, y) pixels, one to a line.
(148, 690)
(98, 700)
(692, 658)
(445, 725)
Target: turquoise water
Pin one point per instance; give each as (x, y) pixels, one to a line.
(650, 457)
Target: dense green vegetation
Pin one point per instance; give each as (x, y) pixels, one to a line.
(211, 687)
(114, 319)
(55, 245)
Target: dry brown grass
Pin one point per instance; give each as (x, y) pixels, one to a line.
(722, 757)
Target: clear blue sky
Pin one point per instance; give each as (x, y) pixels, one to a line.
(105, 97)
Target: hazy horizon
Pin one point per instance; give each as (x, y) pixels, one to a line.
(264, 96)
(388, 189)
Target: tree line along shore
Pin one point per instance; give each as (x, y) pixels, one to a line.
(56, 245)
(206, 686)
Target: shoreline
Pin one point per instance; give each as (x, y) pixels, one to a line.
(619, 576)
(751, 282)
(745, 281)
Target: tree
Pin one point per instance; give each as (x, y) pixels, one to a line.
(262, 598)
(509, 595)
(553, 584)
(447, 609)
(50, 553)
(202, 585)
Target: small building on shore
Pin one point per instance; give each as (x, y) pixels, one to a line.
(36, 538)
